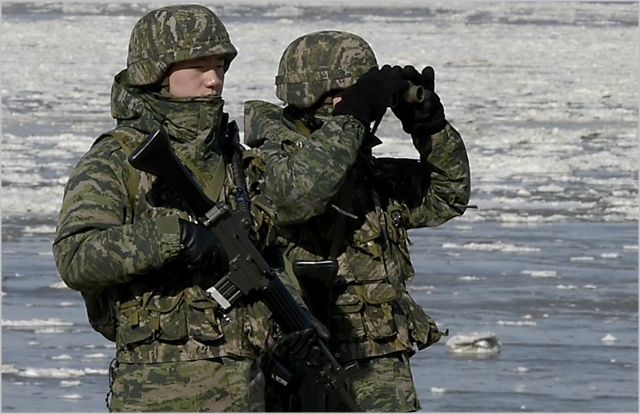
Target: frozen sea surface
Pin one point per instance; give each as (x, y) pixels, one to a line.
(545, 96)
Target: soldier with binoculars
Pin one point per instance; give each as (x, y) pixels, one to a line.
(356, 208)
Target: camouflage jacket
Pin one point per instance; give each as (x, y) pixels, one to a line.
(371, 310)
(124, 242)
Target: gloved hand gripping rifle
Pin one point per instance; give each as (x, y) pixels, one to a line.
(249, 273)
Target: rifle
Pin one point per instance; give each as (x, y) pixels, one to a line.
(316, 277)
(249, 273)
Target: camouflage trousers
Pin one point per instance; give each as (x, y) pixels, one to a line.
(381, 384)
(216, 385)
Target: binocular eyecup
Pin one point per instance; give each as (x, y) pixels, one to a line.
(414, 94)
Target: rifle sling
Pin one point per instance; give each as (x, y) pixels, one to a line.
(341, 221)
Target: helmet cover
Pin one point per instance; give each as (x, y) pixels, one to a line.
(174, 34)
(320, 62)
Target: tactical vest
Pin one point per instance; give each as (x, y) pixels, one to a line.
(145, 315)
(372, 312)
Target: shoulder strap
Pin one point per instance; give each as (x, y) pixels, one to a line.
(343, 204)
(134, 175)
(213, 188)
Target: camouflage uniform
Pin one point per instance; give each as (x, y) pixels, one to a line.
(118, 236)
(374, 320)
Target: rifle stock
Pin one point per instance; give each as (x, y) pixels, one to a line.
(248, 270)
(316, 277)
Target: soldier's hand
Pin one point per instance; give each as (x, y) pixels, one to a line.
(299, 344)
(421, 119)
(404, 110)
(319, 327)
(368, 98)
(199, 247)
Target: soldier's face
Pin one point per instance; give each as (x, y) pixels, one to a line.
(197, 77)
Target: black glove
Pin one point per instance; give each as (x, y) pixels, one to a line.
(199, 247)
(421, 119)
(368, 98)
(299, 344)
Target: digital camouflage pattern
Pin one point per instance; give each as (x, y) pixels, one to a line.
(173, 34)
(373, 314)
(216, 385)
(103, 241)
(383, 385)
(118, 239)
(299, 171)
(374, 318)
(317, 63)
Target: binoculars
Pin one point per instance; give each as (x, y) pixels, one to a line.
(415, 93)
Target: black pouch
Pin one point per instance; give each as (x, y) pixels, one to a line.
(100, 312)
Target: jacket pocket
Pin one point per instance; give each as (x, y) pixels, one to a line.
(167, 317)
(346, 319)
(378, 311)
(362, 266)
(202, 323)
(146, 318)
(423, 330)
(133, 322)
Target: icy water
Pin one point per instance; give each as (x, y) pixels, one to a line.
(545, 96)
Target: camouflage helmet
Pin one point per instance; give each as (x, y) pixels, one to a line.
(173, 34)
(319, 62)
